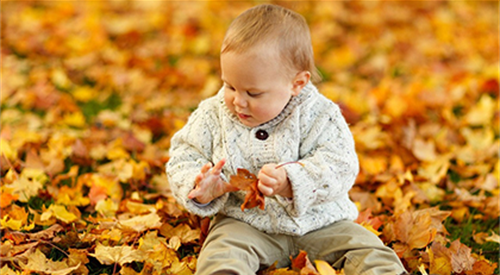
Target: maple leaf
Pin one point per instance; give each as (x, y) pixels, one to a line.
(59, 212)
(37, 262)
(16, 219)
(302, 263)
(142, 223)
(118, 254)
(482, 267)
(183, 231)
(46, 234)
(244, 180)
(28, 184)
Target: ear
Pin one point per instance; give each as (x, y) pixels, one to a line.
(300, 81)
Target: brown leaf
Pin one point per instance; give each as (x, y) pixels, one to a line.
(244, 180)
(461, 258)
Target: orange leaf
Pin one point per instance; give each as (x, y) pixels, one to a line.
(244, 180)
(6, 197)
(482, 267)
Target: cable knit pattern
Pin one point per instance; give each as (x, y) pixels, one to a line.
(311, 129)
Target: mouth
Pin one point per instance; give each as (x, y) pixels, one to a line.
(243, 116)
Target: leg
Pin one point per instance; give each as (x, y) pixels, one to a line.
(348, 245)
(234, 247)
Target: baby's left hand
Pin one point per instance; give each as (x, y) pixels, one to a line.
(274, 181)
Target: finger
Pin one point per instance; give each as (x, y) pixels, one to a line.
(218, 167)
(270, 167)
(266, 190)
(206, 167)
(194, 193)
(198, 178)
(267, 180)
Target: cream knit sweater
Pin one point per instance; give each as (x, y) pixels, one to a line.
(311, 129)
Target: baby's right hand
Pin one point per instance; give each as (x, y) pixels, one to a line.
(209, 184)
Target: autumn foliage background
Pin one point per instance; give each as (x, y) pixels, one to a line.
(93, 91)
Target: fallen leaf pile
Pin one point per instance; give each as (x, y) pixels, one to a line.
(92, 92)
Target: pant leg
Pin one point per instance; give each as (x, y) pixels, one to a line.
(352, 247)
(234, 247)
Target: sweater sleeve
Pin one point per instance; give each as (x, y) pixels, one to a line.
(330, 162)
(190, 149)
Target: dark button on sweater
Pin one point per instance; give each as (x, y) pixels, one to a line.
(262, 135)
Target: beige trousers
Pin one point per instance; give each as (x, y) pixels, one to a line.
(234, 247)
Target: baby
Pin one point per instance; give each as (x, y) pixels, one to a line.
(267, 113)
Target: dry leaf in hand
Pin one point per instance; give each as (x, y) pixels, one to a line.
(244, 180)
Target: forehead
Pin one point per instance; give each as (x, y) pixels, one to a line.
(252, 67)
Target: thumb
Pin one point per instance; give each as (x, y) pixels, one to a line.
(194, 193)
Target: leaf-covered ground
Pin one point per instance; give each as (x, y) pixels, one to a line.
(93, 91)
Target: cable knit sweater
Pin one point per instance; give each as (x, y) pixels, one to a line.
(310, 129)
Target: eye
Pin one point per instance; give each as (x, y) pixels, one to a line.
(253, 94)
(229, 87)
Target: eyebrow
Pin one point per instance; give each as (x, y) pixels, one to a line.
(247, 89)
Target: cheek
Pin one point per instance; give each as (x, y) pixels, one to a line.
(228, 100)
(264, 110)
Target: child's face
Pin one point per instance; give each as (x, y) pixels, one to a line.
(256, 87)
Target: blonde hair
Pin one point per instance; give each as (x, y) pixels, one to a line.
(280, 27)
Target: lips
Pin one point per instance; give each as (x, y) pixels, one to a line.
(243, 116)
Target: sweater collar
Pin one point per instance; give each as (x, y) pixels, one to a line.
(295, 101)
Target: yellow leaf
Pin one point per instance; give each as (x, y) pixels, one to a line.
(432, 192)
(370, 228)
(74, 119)
(16, 219)
(140, 170)
(174, 243)
(60, 79)
(141, 223)
(118, 254)
(75, 199)
(439, 259)
(7, 150)
(37, 262)
(424, 150)
(60, 213)
(373, 165)
(8, 222)
(107, 207)
(435, 170)
(395, 106)
(324, 268)
(117, 153)
(120, 167)
(109, 184)
(114, 235)
(7, 271)
(25, 188)
(23, 136)
(140, 208)
(180, 268)
(482, 113)
(183, 231)
(479, 139)
(493, 238)
(369, 137)
(151, 241)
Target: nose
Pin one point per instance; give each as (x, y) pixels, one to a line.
(239, 100)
